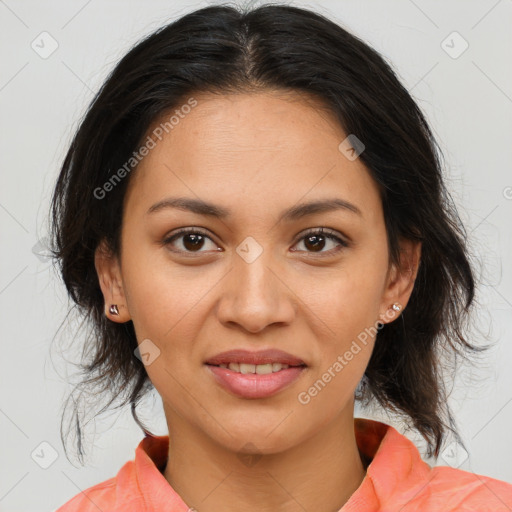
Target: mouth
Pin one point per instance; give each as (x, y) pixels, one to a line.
(253, 375)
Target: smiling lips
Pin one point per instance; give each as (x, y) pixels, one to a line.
(255, 374)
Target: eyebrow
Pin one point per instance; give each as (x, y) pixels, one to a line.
(294, 213)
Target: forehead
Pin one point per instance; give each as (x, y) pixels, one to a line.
(262, 148)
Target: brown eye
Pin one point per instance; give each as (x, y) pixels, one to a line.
(316, 240)
(190, 241)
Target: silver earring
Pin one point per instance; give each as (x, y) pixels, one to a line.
(396, 306)
(113, 309)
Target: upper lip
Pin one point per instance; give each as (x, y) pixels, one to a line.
(259, 357)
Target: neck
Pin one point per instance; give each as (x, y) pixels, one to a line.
(319, 474)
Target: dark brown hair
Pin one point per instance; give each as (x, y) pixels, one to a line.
(227, 49)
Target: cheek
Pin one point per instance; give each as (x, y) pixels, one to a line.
(344, 311)
(346, 299)
(164, 303)
(169, 305)
(161, 295)
(343, 307)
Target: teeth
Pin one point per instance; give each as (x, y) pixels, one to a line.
(247, 368)
(260, 369)
(263, 369)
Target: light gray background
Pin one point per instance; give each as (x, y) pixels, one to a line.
(468, 101)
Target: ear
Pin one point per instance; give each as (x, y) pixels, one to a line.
(111, 283)
(400, 280)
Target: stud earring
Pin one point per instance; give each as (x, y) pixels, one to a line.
(113, 309)
(397, 307)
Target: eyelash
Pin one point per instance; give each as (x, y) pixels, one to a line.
(313, 231)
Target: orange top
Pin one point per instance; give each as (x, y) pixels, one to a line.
(397, 479)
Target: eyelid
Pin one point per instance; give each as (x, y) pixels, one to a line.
(187, 230)
(328, 232)
(343, 240)
(320, 229)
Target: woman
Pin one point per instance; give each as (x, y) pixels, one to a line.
(253, 218)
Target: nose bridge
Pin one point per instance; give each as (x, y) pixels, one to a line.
(255, 296)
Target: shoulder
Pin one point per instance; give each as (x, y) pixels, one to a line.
(399, 479)
(97, 497)
(135, 487)
(456, 490)
(118, 493)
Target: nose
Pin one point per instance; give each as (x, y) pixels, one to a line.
(255, 295)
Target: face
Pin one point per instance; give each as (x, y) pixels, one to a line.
(261, 275)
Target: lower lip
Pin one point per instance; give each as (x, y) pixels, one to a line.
(253, 385)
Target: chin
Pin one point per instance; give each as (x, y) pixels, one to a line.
(270, 436)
